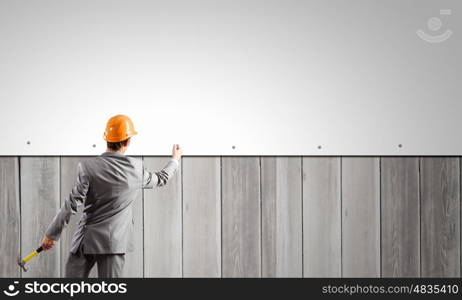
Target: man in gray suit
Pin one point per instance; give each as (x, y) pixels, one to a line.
(106, 185)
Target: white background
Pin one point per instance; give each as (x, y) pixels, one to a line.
(268, 77)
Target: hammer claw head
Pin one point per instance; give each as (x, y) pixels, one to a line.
(22, 264)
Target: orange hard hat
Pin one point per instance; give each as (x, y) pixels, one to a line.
(119, 128)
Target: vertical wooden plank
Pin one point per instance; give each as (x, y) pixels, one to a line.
(400, 217)
(39, 204)
(68, 180)
(281, 185)
(322, 216)
(360, 217)
(162, 225)
(241, 217)
(440, 221)
(201, 217)
(9, 217)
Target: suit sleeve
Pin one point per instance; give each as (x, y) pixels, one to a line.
(76, 197)
(160, 178)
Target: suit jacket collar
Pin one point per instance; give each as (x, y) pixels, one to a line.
(112, 154)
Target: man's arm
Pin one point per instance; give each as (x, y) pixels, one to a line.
(160, 178)
(76, 197)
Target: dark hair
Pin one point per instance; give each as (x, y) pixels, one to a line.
(117, 145)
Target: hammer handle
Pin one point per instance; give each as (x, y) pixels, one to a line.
(30, 256)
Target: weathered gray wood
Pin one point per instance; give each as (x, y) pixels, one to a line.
(162, 225)
(39, 204)
(282, 254)
(241, 233)
(201, 217)
(322, 217)
(9, 217)
(360, 217)
(440, 221)
(68, 180)
(400, 217)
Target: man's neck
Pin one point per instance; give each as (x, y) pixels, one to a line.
(110, 150)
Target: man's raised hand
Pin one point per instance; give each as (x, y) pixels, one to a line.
(177, 151)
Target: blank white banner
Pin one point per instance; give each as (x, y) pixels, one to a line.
(232, 77)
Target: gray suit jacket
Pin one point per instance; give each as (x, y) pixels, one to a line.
(107, 186)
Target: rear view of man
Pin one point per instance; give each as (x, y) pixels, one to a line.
(106, 185)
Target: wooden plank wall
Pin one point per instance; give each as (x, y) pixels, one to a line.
(282, 237)
(322, 212)
(163, 235)
(360, 217)
(257, 217)
(440, 239)
(10, 217)
(400, 217)
(241, 217)
(201, 217)
(40, 201)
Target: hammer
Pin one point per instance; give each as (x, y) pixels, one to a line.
(22, 262)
